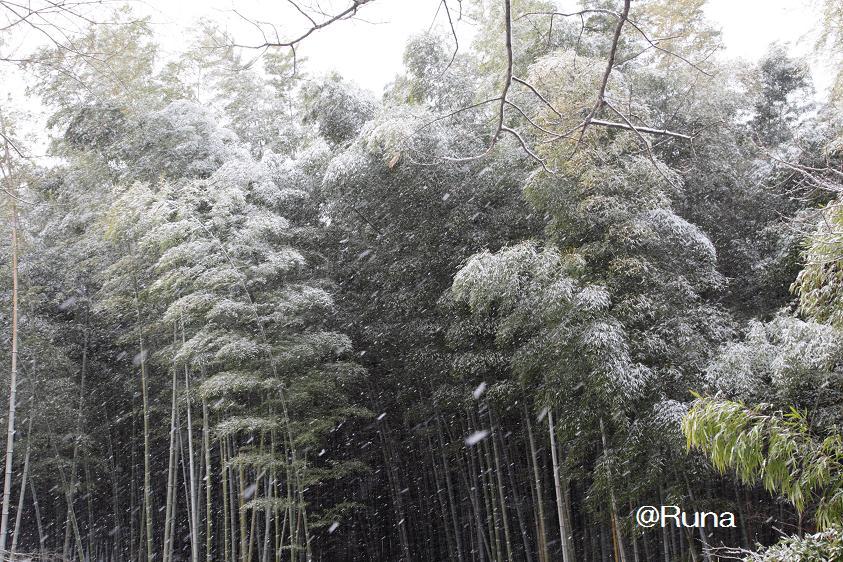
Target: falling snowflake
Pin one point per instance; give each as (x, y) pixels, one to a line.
(476, 437)
(249, 491)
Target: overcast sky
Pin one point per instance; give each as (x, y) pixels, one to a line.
(369, 50)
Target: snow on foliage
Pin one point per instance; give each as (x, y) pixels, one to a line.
(815, 547)
(243, 424)
(228, 382)
(564, 323)
(339, 108)
(786, 353)
(180, 140)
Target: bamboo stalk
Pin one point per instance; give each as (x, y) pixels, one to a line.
(13, 377)
(209, 473)
(564, 527)
(24, 476)
(452, 504)
(501, 492)
(168, 509)
(147, 453)
(617, 539)
(194, 486)
(42, 538)
(544, 555)
(224, 477)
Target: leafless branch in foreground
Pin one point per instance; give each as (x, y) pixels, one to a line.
(292, 44)
(57, 20)
(610, 63)
(503, 99)
(590, 120)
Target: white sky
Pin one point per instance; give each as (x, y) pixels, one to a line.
(370, 52)
(749, 26)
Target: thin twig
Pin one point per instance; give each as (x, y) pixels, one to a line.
(601, 92)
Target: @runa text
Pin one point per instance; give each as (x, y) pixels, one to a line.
(673, 515)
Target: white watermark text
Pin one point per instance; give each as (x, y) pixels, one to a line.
(673, 515)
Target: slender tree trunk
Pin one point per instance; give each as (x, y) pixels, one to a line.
(501, 492)
(476, 487)
(79, 430)
(482, 548)
(397, 503)
(561, 510)
(440, 500)
(13, 377)
(232, 500)
(267, 522)
(115, 492)
(24, 476)
(175, 507)
(133, 481)
(278, 525)
(703, 538)
(171, 469)
(635, 554)
(194, 487)
(544, 555)
(141, 531)
(42, 538)
(665, 537)
(616, 532)
(605, 547)
(305, 525)
(224, 478)
(254, 520)
(244, 537)
(742, 515)
(450, 487)
(209, 473)
(185, 480)
(71, 512)
(147, 469)
(517, 500)
(486, 477)
(676, 542)
(89, 492)
(292, 520)
(253, 528)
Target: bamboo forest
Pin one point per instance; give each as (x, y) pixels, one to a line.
(565, 285)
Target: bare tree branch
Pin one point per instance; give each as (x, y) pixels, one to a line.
(568, 14)
(815, 176)
(291, 44)
(647, 130)
(538, 95)
(302, 12)
(655, 45)
(503, 100)
(555, 135)
(349, 12)
(643, 141)
(500, 126)
(601, 92)
(11, 144)
(453, 33)
(590, 120)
